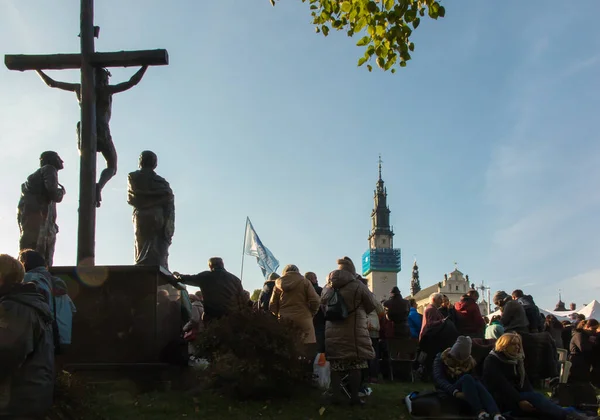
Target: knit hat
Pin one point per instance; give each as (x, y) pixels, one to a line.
(346, 264)
(500, 297)
(395, 291)
(461, 350)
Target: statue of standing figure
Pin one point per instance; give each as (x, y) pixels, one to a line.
(36, 212)
(104, 94)
(153, 212)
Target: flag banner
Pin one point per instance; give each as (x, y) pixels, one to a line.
(255, 248)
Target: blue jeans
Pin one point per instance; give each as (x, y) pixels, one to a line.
(476, 395)
(544, 407)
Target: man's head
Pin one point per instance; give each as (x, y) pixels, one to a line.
(198, 294)
(216, 263)
(445, 301)
(517, 294)
(500, 298)
(395, 292)
(473, 294)
(102, 76)
(436, 299)
(31, 259)
(312, 277)
(413, 303)
(162, 296)
(51, 158)
(11, 271)
(148, 160)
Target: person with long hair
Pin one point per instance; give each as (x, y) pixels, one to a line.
(505, 377)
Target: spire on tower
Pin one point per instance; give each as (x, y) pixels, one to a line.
(380, 162)
(415, 284)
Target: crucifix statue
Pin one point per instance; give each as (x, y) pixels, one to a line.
(95, 97)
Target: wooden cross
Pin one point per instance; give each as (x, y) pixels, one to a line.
(87, 61)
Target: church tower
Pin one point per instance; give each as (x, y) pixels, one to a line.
(415, 284)
(381, 263)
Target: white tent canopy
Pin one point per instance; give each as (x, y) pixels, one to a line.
(591, 310)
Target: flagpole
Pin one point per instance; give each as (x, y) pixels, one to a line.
(244, 248)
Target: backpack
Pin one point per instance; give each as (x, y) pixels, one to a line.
(62, 310)
(336, 309)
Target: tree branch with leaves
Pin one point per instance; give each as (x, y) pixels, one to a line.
(386, 25)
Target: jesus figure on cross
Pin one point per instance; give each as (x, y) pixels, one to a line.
(104, 93)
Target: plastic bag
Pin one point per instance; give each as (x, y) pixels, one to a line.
(322, 371)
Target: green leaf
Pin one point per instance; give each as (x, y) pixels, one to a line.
(416, 23)
(346, 6)
(363, 41)
(403, 64)
(370, 67)
(325, 30)
(362, 22)
(362, 61)
(313, 7)
(411, 46)
(434, 10)
(379, 30)
(370, 50)
(389, 4)
(393, 71)
(372, 7)
(442, 11)
(380, 62)
(317, 29)
(422, 12)
(410, 15)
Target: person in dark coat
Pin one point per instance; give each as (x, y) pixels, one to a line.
(452, 374)
(222, 291)
(582, 349)
(26, 345)
(531, 310)
(469, 319)
(447, 310)
(319, 319)
(553, 327)
(505, 377)
(397, 310)
(513, 318)
(265, 295)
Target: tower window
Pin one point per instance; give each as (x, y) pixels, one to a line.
(457, 288)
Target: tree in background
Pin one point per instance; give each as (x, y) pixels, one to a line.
(386, 25)
(255, 295)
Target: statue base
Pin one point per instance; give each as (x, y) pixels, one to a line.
(118, 320)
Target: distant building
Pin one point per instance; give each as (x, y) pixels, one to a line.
(453, 286)
(381, 262)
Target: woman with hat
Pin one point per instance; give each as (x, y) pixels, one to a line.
(452, 374)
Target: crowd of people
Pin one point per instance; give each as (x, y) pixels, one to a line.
(481, 363)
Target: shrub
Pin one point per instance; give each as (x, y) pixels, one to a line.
(252, 355)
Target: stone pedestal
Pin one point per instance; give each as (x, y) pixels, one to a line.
(118, 319)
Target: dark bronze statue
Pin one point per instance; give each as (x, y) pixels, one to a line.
(153, 212)
(104, 93)
(36, 213)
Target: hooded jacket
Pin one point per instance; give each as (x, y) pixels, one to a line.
(349, 339)
(26, 352)
(532, 312)
(265, 295)
(468, 316)
(294, 298)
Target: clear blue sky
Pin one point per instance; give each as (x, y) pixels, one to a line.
(489, 137)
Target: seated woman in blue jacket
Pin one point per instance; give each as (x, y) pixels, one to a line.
(452, 374)
(504, 375)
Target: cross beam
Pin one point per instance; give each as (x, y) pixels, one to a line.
(87, 61)
(73, 61)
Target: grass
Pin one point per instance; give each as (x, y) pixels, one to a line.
(123, 401)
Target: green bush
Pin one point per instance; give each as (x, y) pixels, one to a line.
(252, 355)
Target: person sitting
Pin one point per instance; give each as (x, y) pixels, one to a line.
(452, 374)
(495, 329)
(531, 310)
(222, 291)
(513, 316)
(26, 345)
(415, 319)
(505, 377)
(397, 310)
(469, 319)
